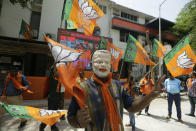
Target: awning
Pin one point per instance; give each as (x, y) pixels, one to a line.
(165, 24)
(119, 23)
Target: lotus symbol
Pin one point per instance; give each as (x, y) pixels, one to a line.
(183, 61)
(88, 11)
(49, 112)
(62, 56)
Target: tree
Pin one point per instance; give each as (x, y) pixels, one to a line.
(23, 3)
(186, 23)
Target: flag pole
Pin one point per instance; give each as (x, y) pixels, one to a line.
(121, 68)
(62, 15)
(151, 69)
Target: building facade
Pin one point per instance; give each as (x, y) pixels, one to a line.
(45, 16)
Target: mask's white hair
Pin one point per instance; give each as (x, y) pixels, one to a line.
(101, 51)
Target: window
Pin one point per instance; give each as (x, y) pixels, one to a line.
(116, 12)
(146, 21)
(1, 3)
(128, 16)
(38, 1)
(124, 35)
(35, 23)
(103, 8)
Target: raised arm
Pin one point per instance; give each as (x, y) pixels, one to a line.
(141, 103)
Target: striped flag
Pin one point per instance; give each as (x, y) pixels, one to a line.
(158, 49)
(136, 53)
(49, 117)
(181, 59)
(82, 14)
(26, 30)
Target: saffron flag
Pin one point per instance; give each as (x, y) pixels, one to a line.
(136, 53)
(82, 14)
(116, 54)
(69, 63)
(102, 44)
(158, 49)
(26, 30)
(49, 117)
(181, 59)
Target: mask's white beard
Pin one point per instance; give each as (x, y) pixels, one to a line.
(101, 74)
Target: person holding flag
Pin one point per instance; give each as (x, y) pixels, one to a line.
(105, 98)
(131, 92)
(54, 96)
(14, 85)
(146, 86)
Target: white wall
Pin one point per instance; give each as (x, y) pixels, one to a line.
(141, 20)
(50, 17)
(11, 17)
(116, 39)
(105, 21)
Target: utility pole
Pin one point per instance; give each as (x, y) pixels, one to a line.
(149, 43)
(160, 59)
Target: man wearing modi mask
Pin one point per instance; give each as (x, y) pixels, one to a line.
(105, 99)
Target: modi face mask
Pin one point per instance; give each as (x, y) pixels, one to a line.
(101, 63)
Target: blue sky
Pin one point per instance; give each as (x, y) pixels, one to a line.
(169, 10)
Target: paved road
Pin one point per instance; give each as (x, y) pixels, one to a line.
(155, 122)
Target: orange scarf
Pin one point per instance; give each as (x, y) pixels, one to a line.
(109, 103)
(189, 83)
(17, 83)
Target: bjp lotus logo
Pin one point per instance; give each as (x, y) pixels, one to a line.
(49, 112)
(62, 55)
(88, 11)
(183, 61)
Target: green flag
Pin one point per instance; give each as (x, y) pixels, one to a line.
(23, 27)
(102, 44)
(67, 9)
(48, 117)
(181, 59)
(158, 49)
(136, 53)
(17, 111)
(26, 30)
(82, 14)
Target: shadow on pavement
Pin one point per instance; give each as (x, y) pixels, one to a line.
(161, 118)
(63, 125)
(184, 99)
(190, 125)
(138, 129)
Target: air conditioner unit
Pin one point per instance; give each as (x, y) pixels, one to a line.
(116, 12)
(50, 35)
(35, 33)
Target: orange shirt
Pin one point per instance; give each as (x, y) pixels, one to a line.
(146, 88)
(189, 82)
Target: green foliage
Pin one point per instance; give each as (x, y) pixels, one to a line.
(186, 23)
(23, 3)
